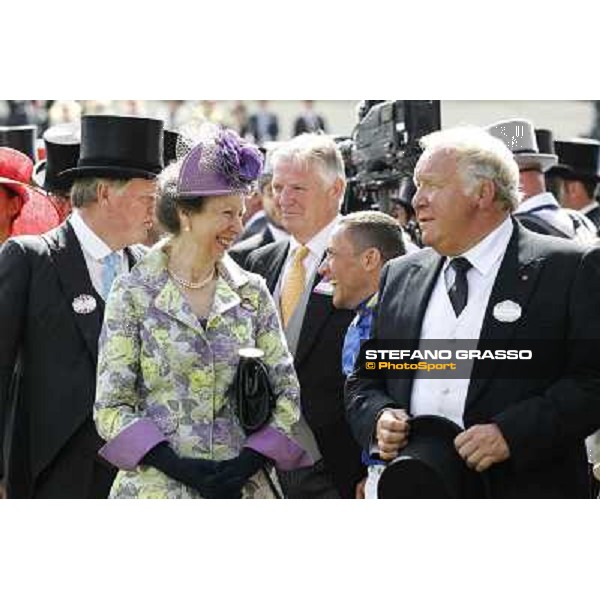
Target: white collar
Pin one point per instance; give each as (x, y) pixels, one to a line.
(97, 248)
(543, 199)
(318, 243)
(490, 249)
(588, 207)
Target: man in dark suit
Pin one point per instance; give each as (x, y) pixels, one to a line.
(267, 229)
(263, 125)
(308, 121)
(579, 169)
(52, 293)
(487, 278)
(308, 185)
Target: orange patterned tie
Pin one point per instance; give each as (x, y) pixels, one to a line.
(294, 284)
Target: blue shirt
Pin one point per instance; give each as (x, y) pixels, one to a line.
(358, 331)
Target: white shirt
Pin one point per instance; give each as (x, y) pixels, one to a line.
(278, 234)
(547, 208)
(95, 250)
(446, 397)
(589, 207)
(316, 246)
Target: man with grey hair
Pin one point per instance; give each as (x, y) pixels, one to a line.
(308, 187)
(53, 290)
(487, 278)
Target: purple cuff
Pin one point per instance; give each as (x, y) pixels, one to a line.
(127, 449)
(282, 450)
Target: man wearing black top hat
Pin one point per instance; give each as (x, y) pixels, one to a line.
(21, 138)
(52, 293)
(538, 209)
(62, 143)
(579, 168)
(484, 277)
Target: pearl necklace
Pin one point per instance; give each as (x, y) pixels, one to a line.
(190, 284)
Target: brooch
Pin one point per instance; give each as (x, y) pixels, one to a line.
(84, 304)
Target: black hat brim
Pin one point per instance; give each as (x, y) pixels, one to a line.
(61, 184)
(571, 174)
(110, 172)
(429, 466)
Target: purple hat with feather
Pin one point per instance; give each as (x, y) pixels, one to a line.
(218, 165)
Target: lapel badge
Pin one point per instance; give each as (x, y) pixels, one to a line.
(507, 311)
(324, 287)
(84, 304)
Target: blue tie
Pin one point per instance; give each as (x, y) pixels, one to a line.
(109, 272)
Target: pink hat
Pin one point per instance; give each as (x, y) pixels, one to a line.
(37, 213)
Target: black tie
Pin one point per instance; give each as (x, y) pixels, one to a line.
(459, 292)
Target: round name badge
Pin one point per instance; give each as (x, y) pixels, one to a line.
(507, 311)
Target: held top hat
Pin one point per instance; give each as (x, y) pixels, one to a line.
(220, 163)
(429, 465)
(519, 137)
(62, 144)
(21, 138)
(579, 159)
(119, 147)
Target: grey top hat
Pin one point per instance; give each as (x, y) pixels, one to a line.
(519, 137)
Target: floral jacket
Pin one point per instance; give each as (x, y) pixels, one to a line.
(163, 376)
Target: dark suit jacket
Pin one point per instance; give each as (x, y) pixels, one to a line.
(318, 362)
(272, 127)
(253, 228)
(301, 125)
(594, 216)
(39, 278)
(242, 249)
(544, 421)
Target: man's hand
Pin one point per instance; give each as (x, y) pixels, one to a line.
(359, 491)
(482, 446)
(392, 432)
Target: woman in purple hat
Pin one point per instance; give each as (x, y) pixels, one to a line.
(169, 347)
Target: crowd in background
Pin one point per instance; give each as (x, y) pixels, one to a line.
(246, 246)
(254, 121)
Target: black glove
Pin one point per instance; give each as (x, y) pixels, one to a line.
(234, 473)
(197, 473)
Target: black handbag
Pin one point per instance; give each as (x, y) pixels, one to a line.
(253, 396)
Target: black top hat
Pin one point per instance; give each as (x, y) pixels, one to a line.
(579, 160)
(545, 141)
(62, 153)
(170, 140)
(429, 465)
(119, 147)
(21, 138)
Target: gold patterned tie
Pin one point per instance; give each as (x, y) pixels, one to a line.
(294, 284)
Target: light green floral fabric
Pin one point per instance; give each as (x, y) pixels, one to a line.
(157, 361)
